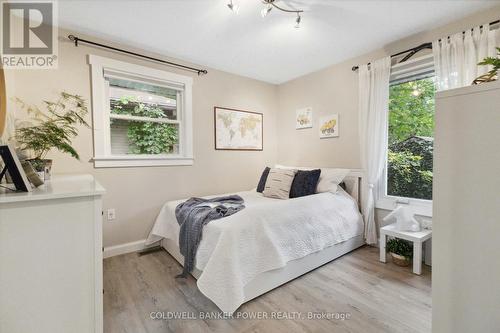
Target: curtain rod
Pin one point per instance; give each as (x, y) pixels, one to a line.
(77, 40)
(414, 50)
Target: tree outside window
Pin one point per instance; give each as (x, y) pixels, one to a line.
(411, 139)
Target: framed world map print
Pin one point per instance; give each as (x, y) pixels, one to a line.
(238, 129)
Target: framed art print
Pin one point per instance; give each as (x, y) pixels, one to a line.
(237, 129)
(303, 118)
(329, 126)
(11, 163)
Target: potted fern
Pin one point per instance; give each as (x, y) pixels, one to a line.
(53, 129)
(401, 251)
(492, 75)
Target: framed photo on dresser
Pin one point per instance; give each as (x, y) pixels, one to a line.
(10, 162)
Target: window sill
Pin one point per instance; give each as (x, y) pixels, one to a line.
(141, 161)
(419, 207)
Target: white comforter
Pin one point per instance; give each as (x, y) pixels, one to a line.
(264, 236)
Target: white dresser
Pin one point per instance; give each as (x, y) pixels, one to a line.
(51, 258)
(466, 216)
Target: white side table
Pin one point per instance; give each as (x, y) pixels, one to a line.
(417, 237)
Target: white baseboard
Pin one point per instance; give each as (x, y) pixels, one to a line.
(116, 250)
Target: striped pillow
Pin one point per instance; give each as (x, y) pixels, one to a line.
(278, 183)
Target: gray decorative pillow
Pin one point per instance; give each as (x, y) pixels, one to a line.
(278, 183)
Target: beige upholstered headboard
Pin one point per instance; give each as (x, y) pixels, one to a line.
(353, 183)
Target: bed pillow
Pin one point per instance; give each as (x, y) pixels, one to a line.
(304, 183)
(278, 183)
(328, 181)
(262, 181)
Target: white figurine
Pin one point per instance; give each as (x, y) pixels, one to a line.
(405, 220)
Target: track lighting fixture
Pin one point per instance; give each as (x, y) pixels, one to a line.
(269, 5)
(266, 10)
(297, 21)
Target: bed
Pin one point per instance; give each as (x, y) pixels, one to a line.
(268, 243)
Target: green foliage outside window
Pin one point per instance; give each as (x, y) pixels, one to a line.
(411, 131)
(146, 137)
(411, 107)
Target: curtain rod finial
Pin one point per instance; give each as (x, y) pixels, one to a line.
(73, 38)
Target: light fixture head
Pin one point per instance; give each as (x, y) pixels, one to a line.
(416, 92)
(266, 10)
(297, 21)
(234, 7)
(268, 6)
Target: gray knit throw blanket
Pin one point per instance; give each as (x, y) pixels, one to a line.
(195, 213)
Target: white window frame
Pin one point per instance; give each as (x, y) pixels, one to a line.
(103, 158)
(415, 67)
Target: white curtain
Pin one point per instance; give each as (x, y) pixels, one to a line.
(373, 113)
(456, 57)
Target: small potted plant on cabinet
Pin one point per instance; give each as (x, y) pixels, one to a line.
(401, 251)
(51, 129)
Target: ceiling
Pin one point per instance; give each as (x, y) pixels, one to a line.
(207, 33)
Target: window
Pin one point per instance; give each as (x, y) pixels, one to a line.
(141, 116)
(408, 172)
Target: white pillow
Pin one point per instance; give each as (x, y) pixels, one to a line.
(278, 183)
(329, 179)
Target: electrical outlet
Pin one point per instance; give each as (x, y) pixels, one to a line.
(111, 214)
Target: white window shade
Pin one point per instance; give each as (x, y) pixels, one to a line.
(117, 93)
(413, 69)
(137, 77)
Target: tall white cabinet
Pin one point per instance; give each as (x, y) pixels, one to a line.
(466, 211)
(51, 258)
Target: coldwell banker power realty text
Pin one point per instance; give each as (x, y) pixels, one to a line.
(29, 35)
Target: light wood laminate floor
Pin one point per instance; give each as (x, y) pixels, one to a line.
(376, 297)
